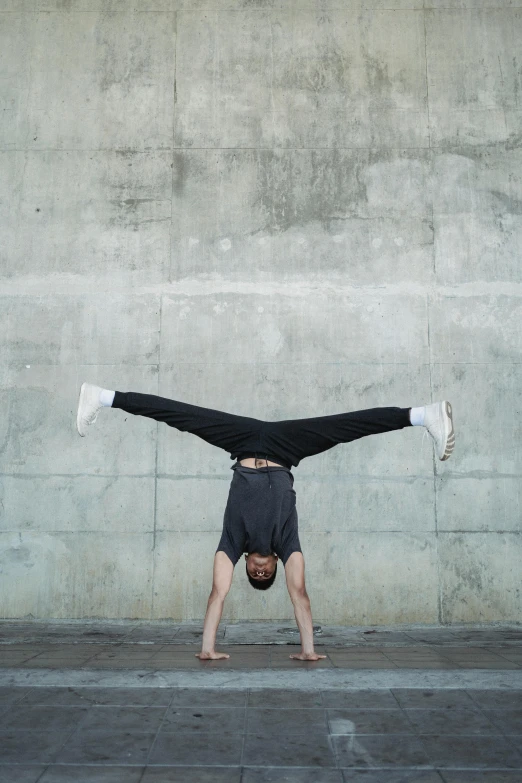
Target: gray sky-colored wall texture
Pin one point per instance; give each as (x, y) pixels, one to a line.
(279, 209)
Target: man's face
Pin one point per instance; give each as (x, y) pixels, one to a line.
(261, 567)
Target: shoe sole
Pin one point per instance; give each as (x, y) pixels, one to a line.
(450, 432)
(80, 403)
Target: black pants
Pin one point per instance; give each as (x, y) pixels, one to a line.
(286, 442)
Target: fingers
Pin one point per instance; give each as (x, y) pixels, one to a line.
(307, 657)
(214, 657)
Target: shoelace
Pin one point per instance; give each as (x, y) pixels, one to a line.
(92, 418)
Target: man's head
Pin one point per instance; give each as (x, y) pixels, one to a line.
(261, 570)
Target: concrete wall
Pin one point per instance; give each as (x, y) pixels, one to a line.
(279, 209)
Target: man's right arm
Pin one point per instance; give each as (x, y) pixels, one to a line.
(223, 572)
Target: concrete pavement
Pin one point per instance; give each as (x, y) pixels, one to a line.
(120, 703)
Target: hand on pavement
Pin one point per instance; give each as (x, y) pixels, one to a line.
(211, 656)
(307, 656)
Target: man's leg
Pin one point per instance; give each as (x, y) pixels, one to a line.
(302, 438)
(224, 430)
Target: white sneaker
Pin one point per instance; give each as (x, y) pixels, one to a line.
(88, 406)
(438, 420)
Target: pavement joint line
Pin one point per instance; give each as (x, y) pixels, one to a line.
(335, 648)
(287, 679)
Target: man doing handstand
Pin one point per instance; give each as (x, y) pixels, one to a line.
(260, 517)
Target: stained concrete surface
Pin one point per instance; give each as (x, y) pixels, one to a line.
(49, 633)
(83, 654)
(184, 735)
(282, 209)
(107, 703)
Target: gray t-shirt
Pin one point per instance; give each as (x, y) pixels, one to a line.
(260, 515)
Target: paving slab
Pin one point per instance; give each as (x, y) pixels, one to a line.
(391, 776)
(189, 735)
(307, 679)
(19, 633)
(64, 773)
(111, 702)
(22, 773)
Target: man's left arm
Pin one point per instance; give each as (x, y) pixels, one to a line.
(295, 582)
